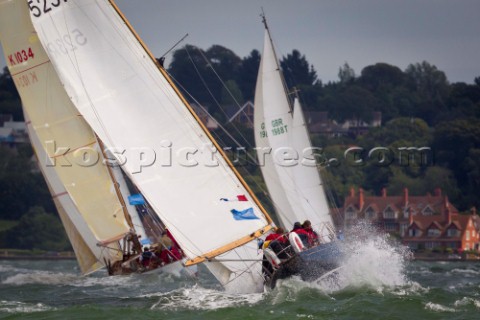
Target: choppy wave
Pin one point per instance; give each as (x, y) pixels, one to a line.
(465, 301)
(438, 307)
(21, 307)
(40, 277)
(197, 298)
(466, 271)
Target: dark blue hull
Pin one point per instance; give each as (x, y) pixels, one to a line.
(310, 264)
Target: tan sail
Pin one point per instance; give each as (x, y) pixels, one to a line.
(71, 147)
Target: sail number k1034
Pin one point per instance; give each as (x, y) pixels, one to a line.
(43, 6)
(20, 56)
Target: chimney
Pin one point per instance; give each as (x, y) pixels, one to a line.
(438, 192)
(361, 200)
(446, 204)
(352, 192)
(405, 197)
(384, 192)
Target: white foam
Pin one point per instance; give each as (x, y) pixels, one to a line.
(21, 307)
(40, 277)
(466, 271)
(412, 288)
(438, 307)
(465, 301)
(371, 260)
(198, 298)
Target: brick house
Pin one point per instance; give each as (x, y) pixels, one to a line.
(455, 231)
(429, 221)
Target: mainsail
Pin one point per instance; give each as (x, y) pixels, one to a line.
(295, 187)
(80, 185)
(168, 154)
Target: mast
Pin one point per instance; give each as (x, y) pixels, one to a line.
(285, 87)
(132, 235)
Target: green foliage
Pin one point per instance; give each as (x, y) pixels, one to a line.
(38, 230)
(297, 70)
(7, 224)
(20, 186)
(346, 74)
(248, 74)
(9, 98)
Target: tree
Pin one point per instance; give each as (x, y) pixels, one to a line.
(381, 76)
(231, 94)
(297, 70)
(188, 67)
(38, 230)
(247, 77)
(346, 74)
(9, 98)
(432, 88)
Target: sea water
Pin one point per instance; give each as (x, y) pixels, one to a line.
(378, 280)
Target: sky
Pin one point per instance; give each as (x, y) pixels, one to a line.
(445, 33)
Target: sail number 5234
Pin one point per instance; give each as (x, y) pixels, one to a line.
(44, 7)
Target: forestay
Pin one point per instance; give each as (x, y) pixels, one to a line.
(135, 110)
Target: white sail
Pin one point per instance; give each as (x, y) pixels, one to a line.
(133, 107)
(269, 92)
(59, 135)
(294, 187)
(308, 183)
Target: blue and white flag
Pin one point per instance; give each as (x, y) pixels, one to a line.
(136, 199)
(246, 214)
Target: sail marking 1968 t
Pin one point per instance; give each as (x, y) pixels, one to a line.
(278, 127)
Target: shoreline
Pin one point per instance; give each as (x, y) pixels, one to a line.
(13, 257)
(13, 254)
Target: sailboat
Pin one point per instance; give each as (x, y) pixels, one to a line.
(133, 107)
(104, 230)
(295, 188)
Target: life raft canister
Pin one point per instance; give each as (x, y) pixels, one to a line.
(272, 258)
(296, 242)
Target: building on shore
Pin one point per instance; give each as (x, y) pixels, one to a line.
(421, 222)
